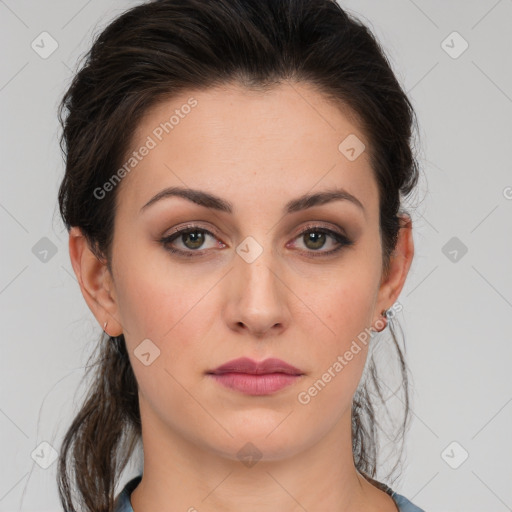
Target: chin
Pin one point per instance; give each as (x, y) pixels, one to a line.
(259, 443)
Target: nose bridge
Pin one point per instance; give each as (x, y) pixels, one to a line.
(256, 265)
(259, 301)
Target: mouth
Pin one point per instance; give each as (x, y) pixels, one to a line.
(250, 377)
(249, 366)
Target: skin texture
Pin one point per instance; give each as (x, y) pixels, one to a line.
(258, 151)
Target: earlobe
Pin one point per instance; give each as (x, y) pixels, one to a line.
(95, 282)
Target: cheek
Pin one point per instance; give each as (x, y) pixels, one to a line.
(152, 294)
(338, 332)
(172, 312)
(171, 307)
(338, 344)
(341, 305)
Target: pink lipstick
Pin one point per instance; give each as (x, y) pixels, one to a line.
(253, 378)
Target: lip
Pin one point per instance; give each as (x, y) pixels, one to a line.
(249, 366)
(253, 378)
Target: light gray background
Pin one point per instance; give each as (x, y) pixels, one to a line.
(456, 316)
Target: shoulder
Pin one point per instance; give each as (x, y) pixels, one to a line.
(122, 502)
(403, 504)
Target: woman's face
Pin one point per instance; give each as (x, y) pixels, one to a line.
(246, 282)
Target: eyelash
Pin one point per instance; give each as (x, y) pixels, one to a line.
(342, 240)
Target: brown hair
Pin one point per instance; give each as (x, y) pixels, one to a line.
(164, 47)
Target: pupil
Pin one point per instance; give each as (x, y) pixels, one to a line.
(195, 234)
(320, 239)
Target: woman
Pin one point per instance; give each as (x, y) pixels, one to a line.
(233, 187)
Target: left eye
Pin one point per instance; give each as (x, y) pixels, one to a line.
(314, 238)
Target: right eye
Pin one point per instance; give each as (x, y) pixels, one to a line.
(192, 238)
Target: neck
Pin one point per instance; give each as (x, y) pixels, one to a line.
(182, 474)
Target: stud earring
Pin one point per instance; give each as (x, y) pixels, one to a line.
(381, 322)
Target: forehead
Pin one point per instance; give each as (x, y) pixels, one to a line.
(274, 145)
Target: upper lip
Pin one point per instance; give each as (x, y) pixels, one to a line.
(247, 365)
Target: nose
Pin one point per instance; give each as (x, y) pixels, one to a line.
(258, 298)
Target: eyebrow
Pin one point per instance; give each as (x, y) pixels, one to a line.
(214, 202)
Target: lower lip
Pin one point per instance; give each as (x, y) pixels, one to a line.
(251, 384)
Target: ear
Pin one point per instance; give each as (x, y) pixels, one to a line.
(95, 282)
(400, 262)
